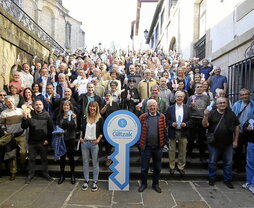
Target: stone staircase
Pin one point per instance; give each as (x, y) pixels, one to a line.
(194, 170)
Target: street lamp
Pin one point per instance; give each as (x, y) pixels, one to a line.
(146, 33)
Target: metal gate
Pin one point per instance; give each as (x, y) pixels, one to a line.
(241, 75)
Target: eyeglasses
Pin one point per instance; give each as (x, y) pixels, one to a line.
(244, 94)
(2, 95)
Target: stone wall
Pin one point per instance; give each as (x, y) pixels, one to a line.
(16, 40)
(53, 17)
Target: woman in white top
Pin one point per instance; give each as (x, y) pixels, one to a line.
(92, 133)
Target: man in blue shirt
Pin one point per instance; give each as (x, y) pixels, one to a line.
(205, 69)
(217, 81)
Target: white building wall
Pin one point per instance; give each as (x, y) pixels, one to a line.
(146, 15)
(229, 26)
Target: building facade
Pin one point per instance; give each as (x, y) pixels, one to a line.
(220, 30)
(56, 21)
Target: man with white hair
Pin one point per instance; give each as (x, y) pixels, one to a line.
(145, 84)
(178, 120)
(26, 78)
(152, 139)
(11, 119)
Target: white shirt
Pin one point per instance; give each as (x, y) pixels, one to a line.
(90, 132)
(82, 86)
(26, 79)
(179, 113)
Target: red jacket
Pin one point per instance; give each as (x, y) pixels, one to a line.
(161, 126)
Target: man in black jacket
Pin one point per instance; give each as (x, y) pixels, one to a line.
(40, 129)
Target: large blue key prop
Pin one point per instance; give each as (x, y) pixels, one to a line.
(122, 130)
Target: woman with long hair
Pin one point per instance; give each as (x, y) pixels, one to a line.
(67, 120)
(28, 96)
(92, 133)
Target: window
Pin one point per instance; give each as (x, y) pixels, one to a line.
(68, 35)
(202, 18)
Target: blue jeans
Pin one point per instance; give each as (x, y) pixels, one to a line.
(250, 164)
(227, 155)
(86, 148)
(146, 154)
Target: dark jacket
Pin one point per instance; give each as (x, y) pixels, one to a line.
(40, 127)
(83, 101)
(171, 117)
(69, 128)
(99, 127)
(161, 127)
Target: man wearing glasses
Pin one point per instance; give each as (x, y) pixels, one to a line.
(2, 96)
(244, 110)
(224, 125)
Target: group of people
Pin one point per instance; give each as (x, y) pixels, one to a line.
(180, 102)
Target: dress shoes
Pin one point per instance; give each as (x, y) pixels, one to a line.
(28, 179)
(47, 177)
(157, 188)
(171, 171)
(211, 182)
(142, 187)
(73, 179)
(12, 177)
(229, 184)
(182, 173)
(61, 179)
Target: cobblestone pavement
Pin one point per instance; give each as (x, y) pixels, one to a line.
(175, 194)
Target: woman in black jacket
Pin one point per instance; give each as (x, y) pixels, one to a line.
(67, 121)
(92, 133)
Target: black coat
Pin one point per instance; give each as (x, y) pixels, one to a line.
(171, 117)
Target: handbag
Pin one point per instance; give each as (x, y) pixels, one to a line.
(210, 135)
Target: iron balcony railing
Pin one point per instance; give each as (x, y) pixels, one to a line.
(241, 75)
(14, 10)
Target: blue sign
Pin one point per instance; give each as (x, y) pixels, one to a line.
(122, 129)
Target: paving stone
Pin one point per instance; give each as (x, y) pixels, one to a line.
(27, 195)
(50, 199)
(120, 205)
(16, 206)
(153, 199)
(241, 199)
(12, 185)
(125, 197)
(65, 186)
(215, 198)
(78, 206)
(101, 197)
(4, 194)
(191, 204)
(183, 191)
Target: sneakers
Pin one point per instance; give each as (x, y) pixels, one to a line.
(251, 189)
(85, 186)
(246, 186)
(94, 187)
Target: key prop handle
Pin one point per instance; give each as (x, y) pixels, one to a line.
(69, 115)
(122, 129)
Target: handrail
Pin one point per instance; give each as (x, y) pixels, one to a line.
(14, 10)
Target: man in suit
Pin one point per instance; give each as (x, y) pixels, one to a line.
(178, 122)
